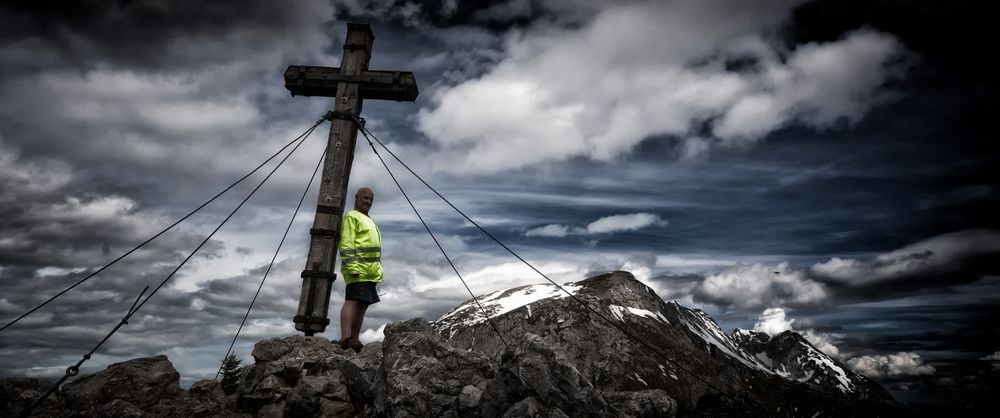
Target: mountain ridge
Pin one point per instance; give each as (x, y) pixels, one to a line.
(706, 361)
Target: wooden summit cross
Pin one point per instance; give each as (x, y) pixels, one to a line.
(350, 85)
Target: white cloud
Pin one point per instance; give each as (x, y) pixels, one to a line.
(675, 262)
(759, 285)
(695, 149)
(52, 372)
(620, 223)
(994, 359)
(599, 89)
(819, 84)
(822, 341)
(551, 230)
(370, 335)
(772, 322)
(24, 180)
(903, 363)
(936, 255)
(605, 225)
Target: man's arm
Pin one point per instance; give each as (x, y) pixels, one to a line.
(348, 232)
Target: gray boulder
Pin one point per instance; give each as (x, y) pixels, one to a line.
(306, 376)
(16, 394)
(141, 382)
(422, 376)
(539, 371)
(652, 403)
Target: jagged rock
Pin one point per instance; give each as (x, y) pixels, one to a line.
(599, 350)
(469, 398)
(307, 376)
(653, 403)
(793, 357)
(272, 349)
(16, 394)
(141, 382)
(536, 369)
(118, 408)
(421, 375)
(627, 339)
(207, 389)
(527, 407)
(275, 410)
(753, 342)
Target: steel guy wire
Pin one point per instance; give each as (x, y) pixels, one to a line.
(276, 251)
(139, 304)
(182, 219)
(488, 318)
(75, 369)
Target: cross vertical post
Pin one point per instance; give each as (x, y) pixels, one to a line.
(349, 84)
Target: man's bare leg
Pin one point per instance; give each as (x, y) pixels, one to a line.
(359, 317)
(348, 315)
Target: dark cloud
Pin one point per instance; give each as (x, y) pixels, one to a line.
(938, 262)
(146, 35)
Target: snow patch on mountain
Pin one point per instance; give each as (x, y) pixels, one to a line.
(619, 313)
(762, 356)
(501, 302)
(824, 362)
(705, 327)
(807, 363)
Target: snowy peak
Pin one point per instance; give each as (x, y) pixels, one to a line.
(703, 328)
(501, 302)
(803, 362)
(625, 296)
(792, 357)
(753, 342)
(620, 335)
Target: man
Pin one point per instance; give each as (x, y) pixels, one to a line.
(361, 266)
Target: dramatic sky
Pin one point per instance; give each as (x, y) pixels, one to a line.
(816, 166)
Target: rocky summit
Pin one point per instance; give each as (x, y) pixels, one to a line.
(607, 346)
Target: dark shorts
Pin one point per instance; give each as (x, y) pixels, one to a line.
(362, 292)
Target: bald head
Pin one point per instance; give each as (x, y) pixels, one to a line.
(363, 200)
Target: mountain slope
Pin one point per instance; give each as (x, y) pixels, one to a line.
(630, 339)
(791, 356)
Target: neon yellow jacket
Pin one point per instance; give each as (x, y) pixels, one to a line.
(360, 249)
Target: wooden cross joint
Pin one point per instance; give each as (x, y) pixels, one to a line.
(305, 80)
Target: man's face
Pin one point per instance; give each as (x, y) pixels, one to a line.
(363, 200)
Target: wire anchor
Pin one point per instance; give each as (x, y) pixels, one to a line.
(74, 370)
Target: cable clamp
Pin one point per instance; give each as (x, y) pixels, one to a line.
(302, 319)
(319, 274)
(355, 47)
(346, 115)
(322, 232)
(328, 209)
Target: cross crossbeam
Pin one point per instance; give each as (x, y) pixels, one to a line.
(303, 80)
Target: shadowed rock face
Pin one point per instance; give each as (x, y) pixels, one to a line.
(629, 354)
(789, 355)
